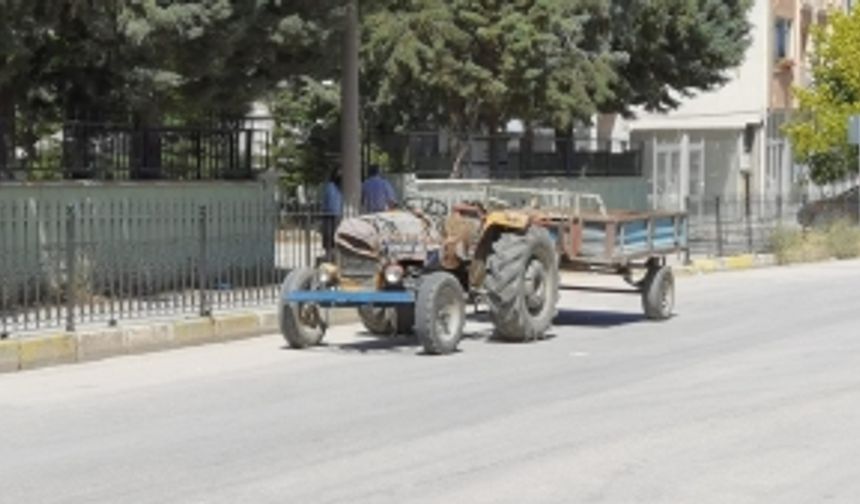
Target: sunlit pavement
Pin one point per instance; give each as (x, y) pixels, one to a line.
(750, 394)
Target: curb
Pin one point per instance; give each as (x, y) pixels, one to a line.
(55, 348)
(731, 263)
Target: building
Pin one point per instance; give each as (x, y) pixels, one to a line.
(728, 142)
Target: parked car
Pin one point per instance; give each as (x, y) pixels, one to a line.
(843, 206)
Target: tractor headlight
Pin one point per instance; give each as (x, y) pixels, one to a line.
(327, 275)
(393, 274)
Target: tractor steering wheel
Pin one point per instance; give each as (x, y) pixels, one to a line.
(430, 207)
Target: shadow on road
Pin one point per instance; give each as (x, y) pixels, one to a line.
(400, 344)
(596, 318)
(370, 344)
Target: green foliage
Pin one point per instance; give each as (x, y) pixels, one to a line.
(151, 60)
(819, 132)
(307, 128)
(840, 240)
(467, 64)
(792, 246)
(194, 58)
(464, 64)
(843, 240)
(674, 48)
(460, 64)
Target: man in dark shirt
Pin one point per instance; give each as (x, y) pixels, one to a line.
(377, 194)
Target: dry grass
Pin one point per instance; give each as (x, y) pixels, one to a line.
(840, 240)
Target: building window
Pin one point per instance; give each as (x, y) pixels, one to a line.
(782, 29)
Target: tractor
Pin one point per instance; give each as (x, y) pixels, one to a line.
(414, 269)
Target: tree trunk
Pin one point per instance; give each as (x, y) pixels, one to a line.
(7, 131)
(145, 162)
(526, 147)
(462, 149)
(493, 146)
(564, 148)
(350, 114)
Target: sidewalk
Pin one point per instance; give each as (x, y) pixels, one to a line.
(93, 342)
(31, 350)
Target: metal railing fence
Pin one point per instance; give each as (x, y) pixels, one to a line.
(66, 265)
(721, 226)
(119, 151)
(433, 155)
(63, 265)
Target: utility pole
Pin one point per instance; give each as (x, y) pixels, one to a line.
(350, 127)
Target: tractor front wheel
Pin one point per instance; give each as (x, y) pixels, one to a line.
(440, 313)
(301, 323)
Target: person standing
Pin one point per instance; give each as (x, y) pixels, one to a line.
(377, 193)
(332, 211)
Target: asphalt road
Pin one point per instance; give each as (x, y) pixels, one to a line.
(750, 394)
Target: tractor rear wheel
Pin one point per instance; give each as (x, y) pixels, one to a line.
(522, 284)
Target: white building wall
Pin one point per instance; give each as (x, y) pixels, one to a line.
(744, 99)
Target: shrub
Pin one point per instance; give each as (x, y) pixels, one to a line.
(795, 246)
(840, 240)
(843, 240)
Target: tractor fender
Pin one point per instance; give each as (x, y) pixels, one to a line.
(495, 223)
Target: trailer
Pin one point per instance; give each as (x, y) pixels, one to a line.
(591, 238)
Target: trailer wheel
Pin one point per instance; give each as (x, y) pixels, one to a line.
(301, 323)
(522, 285)
(658, 293)
(387, 321)
(440, 312)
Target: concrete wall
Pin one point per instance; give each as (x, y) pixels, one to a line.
(146, 235)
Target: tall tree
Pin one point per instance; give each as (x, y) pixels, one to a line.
(24, 32)
(189, 57)
(467, 64)
(818, 132)
(219, 55)
(673, 49)
(70, 59)
(307, 120)
(475, 63)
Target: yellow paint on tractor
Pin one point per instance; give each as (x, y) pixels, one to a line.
(506, 219)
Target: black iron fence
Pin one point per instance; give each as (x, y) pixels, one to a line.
(721, 226)
(438, 155)
(67, 264)
(63, 265)
(102, 151)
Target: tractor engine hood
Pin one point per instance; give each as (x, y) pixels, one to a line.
(396, 235)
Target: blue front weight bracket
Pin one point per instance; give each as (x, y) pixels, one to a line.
(346, 299)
